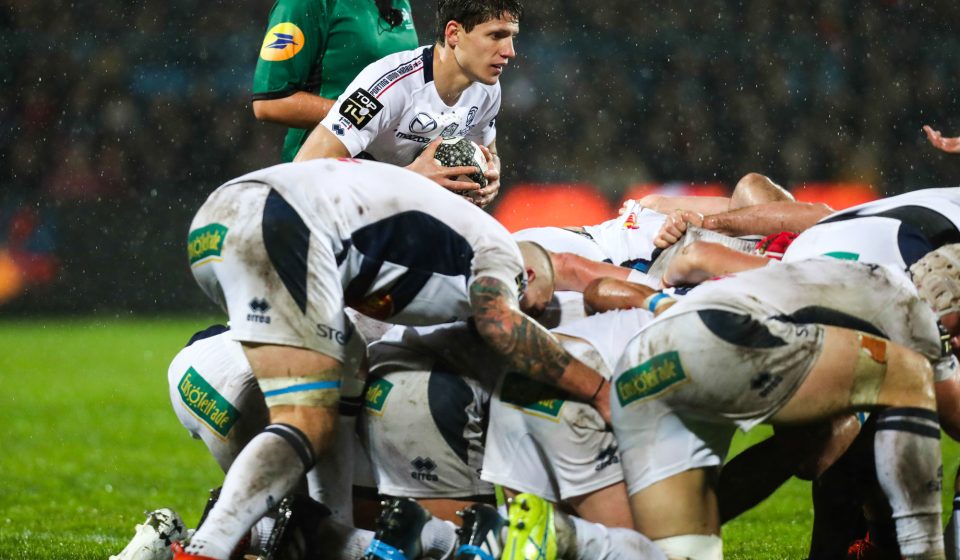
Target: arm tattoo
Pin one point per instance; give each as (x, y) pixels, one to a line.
(528, 347)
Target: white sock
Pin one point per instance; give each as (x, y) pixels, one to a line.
(593, 541)
(951, 534)
(907, 458)
(264, 472)
(439, 538)
(341, 541)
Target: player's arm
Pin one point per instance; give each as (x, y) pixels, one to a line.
(703, 260)
(292, 42)
(936, 139)
(761, 219)
(574, 273)
(530, 348)
(300, 110)
(322, 144)
(608, 294)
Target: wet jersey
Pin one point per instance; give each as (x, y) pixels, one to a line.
(392, 109)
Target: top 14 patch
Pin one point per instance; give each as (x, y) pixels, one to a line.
(360, 107)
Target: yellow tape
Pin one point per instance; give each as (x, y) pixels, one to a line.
(870, 371)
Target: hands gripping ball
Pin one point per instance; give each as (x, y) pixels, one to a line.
(457, 151)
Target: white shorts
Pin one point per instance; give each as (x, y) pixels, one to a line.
(688, 379)
(538, 442)
(424, 432)
(252, 253)
(216, 397)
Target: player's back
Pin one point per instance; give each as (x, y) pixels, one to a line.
(405, 247)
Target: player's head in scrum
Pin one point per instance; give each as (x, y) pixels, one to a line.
(480, 35)
(541, 279)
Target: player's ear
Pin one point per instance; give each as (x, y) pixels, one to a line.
(452, 33)
(531, 275)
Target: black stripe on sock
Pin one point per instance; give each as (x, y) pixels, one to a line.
(909, 411)
(297, 440)
(909, 426)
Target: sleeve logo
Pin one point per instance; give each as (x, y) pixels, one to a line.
(205, 244)
(206, 403)
(282, 42)
(376, 396)
(360, 107)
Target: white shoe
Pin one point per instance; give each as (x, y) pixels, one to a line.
(154, 536)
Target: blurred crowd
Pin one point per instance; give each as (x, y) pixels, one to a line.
(111, 98)
(145, 105)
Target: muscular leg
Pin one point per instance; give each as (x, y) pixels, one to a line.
(303, 422)
(608, 506)
(856, 371)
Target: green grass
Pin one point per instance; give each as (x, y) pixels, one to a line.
(89, 442)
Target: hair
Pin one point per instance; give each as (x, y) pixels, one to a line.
(471, 13)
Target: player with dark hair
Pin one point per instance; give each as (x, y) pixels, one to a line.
(311, 51)
(409, 101)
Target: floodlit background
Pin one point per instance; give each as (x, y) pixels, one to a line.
(117, 117)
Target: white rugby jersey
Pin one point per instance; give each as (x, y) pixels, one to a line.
(894, 231)
(392, 109)
(406, 249)
(871, 298)
(604, 335)
(628, 239)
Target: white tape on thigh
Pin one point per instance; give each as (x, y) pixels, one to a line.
(314, 390)
(692, 547)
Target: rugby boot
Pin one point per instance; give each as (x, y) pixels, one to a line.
(479, 537)
(153, 537)
(295, 533)
(532, 534)
(398, 531)
(867, 549)
(178, 554)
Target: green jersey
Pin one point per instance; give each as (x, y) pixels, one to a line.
(319, 46)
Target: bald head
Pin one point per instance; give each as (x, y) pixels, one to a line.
(540, 277)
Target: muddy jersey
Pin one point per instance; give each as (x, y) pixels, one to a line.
(405, 248)
(869, 298)
(392, 110)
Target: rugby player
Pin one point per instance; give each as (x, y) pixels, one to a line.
(753, 351)
(309, 238)
(410, 100)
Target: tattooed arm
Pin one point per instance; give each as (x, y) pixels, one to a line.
(530, 348)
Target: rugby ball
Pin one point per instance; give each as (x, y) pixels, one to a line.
(456, 151)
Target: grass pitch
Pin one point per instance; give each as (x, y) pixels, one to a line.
(89, 442)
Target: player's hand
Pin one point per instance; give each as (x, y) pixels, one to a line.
(949, 145)
(485, 195)
(627, 205)
(446, 177)
(675, 226)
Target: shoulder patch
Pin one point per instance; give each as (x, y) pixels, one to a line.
(206, 403)
(205, 244)
(651, 378)
(360, 107)
(376, 396)
(282, 42)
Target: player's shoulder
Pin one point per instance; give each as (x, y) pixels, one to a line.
(393, 70)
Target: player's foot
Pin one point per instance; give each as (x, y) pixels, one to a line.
(479, 537)
(866, 549)
(532, 534)
(295, 532)
(398, 531)
(154, 536)
(176, 550)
